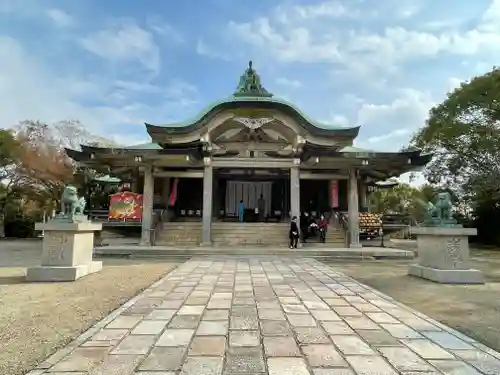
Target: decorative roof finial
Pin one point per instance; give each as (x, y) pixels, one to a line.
(249, 84)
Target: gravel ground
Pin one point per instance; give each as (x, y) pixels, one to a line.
(470, 309)
(38, 318)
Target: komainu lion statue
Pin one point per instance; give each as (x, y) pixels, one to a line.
(444, 206)
(441, 210)
(71, 204)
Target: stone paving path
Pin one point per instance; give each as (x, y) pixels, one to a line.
(267, 316)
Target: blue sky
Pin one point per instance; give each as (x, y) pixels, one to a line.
(115, 64)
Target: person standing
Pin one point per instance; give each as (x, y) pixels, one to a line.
(304, 226)
(241, 211)
(261, 206)
(293, 233)
(323, 226)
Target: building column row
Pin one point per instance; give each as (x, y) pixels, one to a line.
(353, 203)
(207, 203)
(295, 193)
(353, 209)
(147, 206)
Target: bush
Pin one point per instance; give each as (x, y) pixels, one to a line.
(19, 227)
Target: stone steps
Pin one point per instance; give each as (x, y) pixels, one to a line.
(239, 234)
(249, 234)
(180, 234)
(322, 254)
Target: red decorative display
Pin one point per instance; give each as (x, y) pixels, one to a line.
(173, 193)
(125, 206)
(334, 194)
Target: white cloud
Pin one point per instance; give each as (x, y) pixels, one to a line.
(293, 83)
(490, 22)
(358, 48)
(388, 126)
(161, 27)
(32, 91)
(124, 41)
(329, 9)
(395, 134)
(203, 49)
(454, 83)
(294, 45)
(338, 120)
(60, 17)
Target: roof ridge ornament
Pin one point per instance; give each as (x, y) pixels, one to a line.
(250, 85)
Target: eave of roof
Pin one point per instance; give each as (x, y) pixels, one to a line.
(313, 126)
(108, 179)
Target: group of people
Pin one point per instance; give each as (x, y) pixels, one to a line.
(259, 210)
(309, 227)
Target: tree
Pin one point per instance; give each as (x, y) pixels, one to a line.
(9, 153)
(463, 132)
(43, 168)
(403, 199)
(34, 166)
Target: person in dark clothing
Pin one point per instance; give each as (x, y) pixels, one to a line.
(323, 226)
(261, 206)
(294, 233)
(304, 226)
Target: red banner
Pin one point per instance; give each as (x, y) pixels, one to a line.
(334, 194)
(125, 206)
(173, 193)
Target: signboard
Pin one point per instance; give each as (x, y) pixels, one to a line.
(334, 194)
(125, 206)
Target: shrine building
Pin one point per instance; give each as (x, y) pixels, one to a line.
(248, 145)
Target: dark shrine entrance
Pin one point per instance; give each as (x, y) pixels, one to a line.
(189, 200)
(230, 191)
(314, 197)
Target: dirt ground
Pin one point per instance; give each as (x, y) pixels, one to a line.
(36, 319)
(473, 310)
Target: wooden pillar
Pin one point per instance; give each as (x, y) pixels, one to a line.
(295, 190)
(147, 206)
(165, 195)
(353, 209)
(207, 203)
(363, 194)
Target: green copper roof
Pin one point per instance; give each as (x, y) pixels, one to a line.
(356, 150)
(108, 179)
(144, 146)
(252, 99)
(388, 183)
(249, 93)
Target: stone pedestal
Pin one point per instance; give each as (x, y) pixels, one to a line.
(67, 251)
(443, 255)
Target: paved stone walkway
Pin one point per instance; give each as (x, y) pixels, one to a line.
(267, 316)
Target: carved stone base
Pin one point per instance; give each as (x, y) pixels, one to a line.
(469, 276)
(443, 255)
(67, 251)
(54, 273)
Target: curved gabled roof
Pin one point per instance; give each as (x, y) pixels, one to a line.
(233, 102)
(250, 94)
